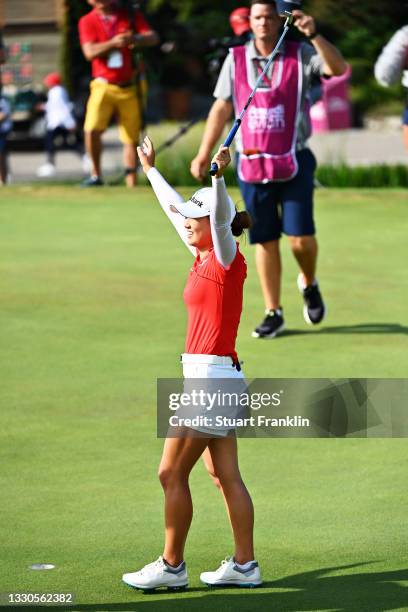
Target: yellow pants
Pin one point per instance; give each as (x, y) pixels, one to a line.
(107, 99)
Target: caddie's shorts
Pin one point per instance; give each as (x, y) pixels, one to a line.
(285, 206)
(107, 99)
(405, 116)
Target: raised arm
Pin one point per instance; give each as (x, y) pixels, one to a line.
(393, 59)
(222, 213)
(165, 194)
(334, 64)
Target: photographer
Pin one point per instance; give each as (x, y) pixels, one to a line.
(107, 38)
(275, 166)
(239, 22)
(391, 65)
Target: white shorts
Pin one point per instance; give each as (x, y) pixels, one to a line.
(209, 366)
(206, 368)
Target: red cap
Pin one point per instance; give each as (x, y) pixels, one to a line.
(239, 20)
(52, 79)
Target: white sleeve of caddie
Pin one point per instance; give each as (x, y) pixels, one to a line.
(167, 196)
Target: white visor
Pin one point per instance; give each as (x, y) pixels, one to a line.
(199, 205)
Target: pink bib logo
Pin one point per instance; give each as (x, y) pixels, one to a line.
(267, 119)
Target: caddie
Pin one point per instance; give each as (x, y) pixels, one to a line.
(275, 166)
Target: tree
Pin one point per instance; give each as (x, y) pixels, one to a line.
(73, 64)
(360, 29)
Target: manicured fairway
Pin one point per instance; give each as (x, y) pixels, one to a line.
(91, 315)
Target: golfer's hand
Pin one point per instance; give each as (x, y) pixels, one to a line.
(222, 158)
(147, 155)
(199, 167)
(304, 23)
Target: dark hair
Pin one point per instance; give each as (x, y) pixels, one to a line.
(272, 2)
(240, 222)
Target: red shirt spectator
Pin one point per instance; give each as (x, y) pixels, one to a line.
(95, 28)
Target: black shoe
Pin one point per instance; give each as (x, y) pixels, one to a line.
(314, 309)
(271, 326)
(92, 181)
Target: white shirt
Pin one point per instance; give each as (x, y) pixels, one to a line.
(6, 124)
(58, 110)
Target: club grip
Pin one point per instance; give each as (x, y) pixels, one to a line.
(213, 169)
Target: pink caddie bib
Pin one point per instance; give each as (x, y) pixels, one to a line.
(269, 128)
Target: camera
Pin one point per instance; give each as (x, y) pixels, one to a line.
(287, 6)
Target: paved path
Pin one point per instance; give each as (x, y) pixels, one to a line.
(360, 147)
(379, 144)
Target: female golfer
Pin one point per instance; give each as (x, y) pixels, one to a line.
(207, 224)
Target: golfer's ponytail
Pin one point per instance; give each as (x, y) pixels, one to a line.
(241, 221)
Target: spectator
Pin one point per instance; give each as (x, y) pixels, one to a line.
(5, 128)
(60, 123)
(239, 22)
(275, 166)
(107, 39)
(391, 65)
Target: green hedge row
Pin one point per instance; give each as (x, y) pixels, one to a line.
(381, 175)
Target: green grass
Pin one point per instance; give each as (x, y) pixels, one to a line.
(91, 315)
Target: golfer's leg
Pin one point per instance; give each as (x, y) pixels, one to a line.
(224, 455)
(209, 466)
(178, 459)
(304, 248)
(269, 268)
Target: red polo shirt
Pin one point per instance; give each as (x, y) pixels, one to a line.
(213, 297)
(96, 28)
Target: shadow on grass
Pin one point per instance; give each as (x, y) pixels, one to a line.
(308, 591)
(361, 328)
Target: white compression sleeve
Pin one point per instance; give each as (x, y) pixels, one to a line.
(225, 246)
(166, 196)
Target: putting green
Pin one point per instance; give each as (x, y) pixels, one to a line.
(91, 285)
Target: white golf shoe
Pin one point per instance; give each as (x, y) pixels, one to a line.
(229, 573)
(158, 574)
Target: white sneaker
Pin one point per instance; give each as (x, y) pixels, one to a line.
(314, 309)
(46, 171)
(158, 574)
(230, 574)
